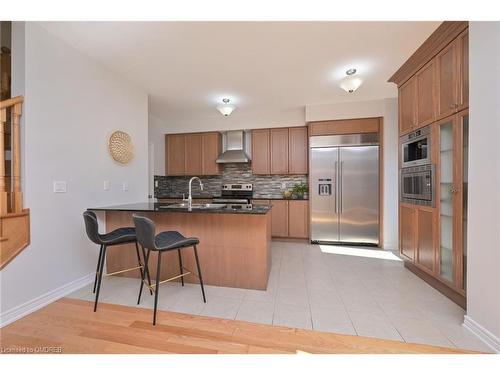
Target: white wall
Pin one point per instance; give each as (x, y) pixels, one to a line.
(157, 131)
(72, 104)
(388, 109)
(483, 258)
(264, 118)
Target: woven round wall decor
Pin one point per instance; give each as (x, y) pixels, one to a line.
(120, 147)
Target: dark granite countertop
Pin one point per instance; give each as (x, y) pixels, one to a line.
(173, 196)
(163, 207)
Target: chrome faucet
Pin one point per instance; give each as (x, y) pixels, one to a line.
(190, 197)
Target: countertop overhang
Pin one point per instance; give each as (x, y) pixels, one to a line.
(163, 207)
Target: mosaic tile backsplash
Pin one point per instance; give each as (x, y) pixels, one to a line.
(264, 186)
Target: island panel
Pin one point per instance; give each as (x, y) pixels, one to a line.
(234, 249)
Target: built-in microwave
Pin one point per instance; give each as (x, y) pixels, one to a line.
(416, 148)
(418, 185)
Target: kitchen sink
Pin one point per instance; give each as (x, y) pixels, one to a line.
(207, 206)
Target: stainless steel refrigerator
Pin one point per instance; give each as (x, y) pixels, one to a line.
(344, 189)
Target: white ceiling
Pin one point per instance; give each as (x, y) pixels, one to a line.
(187, 67)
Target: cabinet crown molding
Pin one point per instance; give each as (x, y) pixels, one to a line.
(440, 38)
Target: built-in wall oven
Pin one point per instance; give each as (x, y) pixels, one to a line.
(417, 174)
(417, 185)
(416, 148)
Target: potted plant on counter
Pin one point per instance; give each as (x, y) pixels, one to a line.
(299, 190)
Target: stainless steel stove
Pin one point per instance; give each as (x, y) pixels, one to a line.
(236, 196)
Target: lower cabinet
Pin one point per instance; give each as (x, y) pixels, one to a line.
(417, 235)
(407, 231)
(289, 218)
(298, 219)
(426, 248)
(279, 218)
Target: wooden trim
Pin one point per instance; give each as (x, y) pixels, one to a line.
(3, 177)
(437, 284)
(15, 238)
(347, 126)
(439, 39)
(11, 102)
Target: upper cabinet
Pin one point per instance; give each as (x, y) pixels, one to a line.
(434, 81)
(192, 154)
(279, 151)
(463, 51)
(211, 149)
(297, 150)
(447, 80)
(260, 151)
(408, 105)
(426, 91)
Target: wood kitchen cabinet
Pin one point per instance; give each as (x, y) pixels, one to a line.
(289, 218)
(279, 218)
(432, 89)
(211, 148)
(175, 154)
(447, 81)
(279, 151)
(433, 239)
(426, 91)
(463, 51)
(297, 150)
(426, 249)
(407, 231)
(298, 219)
(193, 154)
(408, 105)
(452, 182)
(260, 151)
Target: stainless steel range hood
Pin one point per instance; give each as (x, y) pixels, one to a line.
(234, 147)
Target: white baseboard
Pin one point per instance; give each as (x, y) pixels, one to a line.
(482, 333)
(37, 303)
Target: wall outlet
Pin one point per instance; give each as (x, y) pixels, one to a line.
(283, 185)
(156, 183)
(60, 187)
(125, 186)
(106, 185)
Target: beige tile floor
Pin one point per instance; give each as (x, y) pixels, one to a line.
(355, 291)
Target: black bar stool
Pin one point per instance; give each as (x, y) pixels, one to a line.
(164, 241)
(117, 237)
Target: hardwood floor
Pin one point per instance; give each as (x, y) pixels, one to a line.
(72, 325)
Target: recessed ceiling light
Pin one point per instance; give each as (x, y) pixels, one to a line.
(226, 109)
(351, 82)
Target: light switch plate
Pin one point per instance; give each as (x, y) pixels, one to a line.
(60, 187)
(106, 185)
(125, 186)
(156, 183)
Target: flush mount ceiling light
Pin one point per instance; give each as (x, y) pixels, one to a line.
(226, 109)
(351, 82)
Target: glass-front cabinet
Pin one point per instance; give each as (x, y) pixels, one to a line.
(452, 171)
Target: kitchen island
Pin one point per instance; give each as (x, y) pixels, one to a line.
(234, 249)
